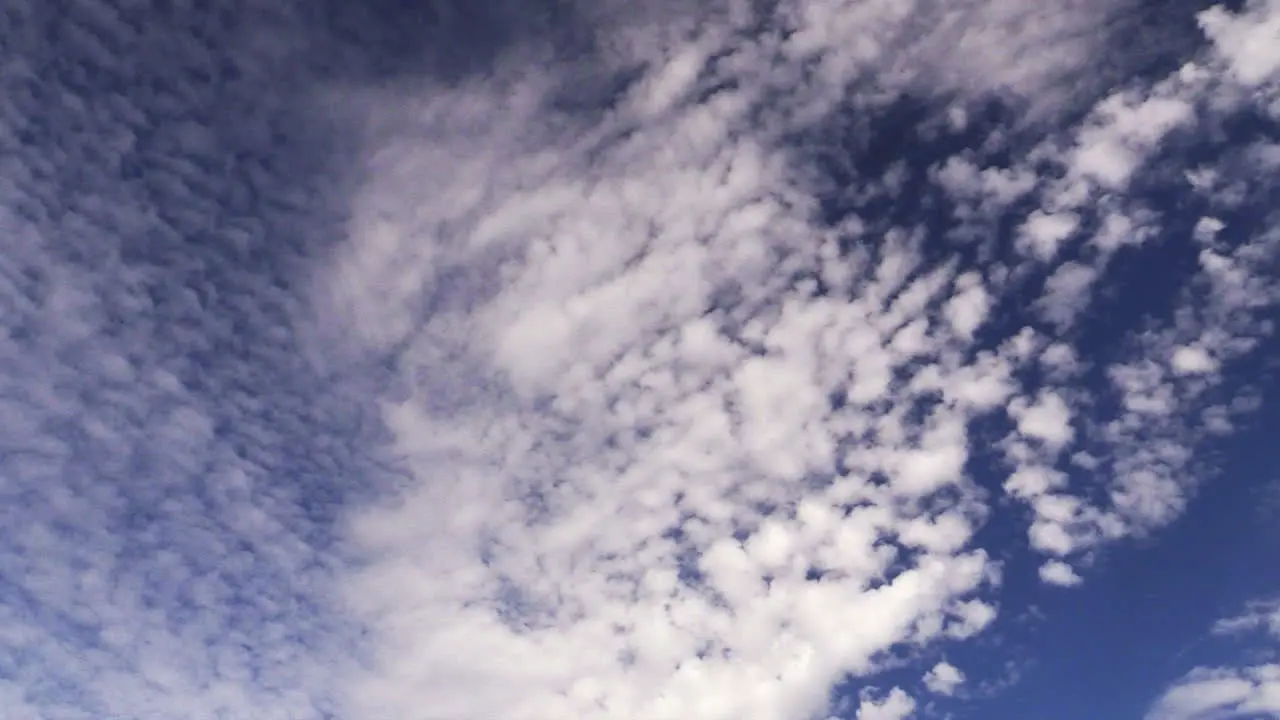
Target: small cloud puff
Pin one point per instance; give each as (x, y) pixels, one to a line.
(1056, 572)
(896, 705)
(943, 679)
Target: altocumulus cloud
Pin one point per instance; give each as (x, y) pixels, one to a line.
(170, 466)
(638, 386)
(715, 449)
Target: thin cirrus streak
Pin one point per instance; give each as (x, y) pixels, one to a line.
(716, 445)
(679, 381)
(1250, 690)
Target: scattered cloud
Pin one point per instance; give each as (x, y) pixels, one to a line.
(943, 678)
(723, 457)
(1193, 360)
(1045, 232)
(1067, 293)
(1229, 692)
(537, 411)
(1263, 616)
(1056, 572)
(1221, 693)
(1047, 420)
(1245, 41)
(896, 705)
(170, 465)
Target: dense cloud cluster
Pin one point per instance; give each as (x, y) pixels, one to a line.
(172, 466)
(675, 377)
(724, 456)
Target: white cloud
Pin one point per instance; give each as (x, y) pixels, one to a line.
(1163, 385)
(1030, 482)
(989, 190)
(636, 443)
(971, 618)
(1044, 233)
(1048, 419)
(1061, 361)
(943, 678)
(1226, 692)
(1056, 572)
(591, 413)
(1246, 40)
(1066, 293)
(1257, 616)
(968, 307)
(1193, 360)
(896, 705)
(688, 473)
(1220, 693)
(632, 503)
(1123, 131)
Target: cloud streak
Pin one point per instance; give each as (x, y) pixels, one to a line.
(1226, 692)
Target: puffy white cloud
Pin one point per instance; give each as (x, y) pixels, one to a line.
(173, 462)
(692, 470)
(986, 191)
(943, 678)
(1246, 40)
(1163, 380)
(1044, 233)
(633, 507)
(1124, 130)
(1193, 360)
(1048, 419)
(968, 307)
(896, 705)
(1056, 572)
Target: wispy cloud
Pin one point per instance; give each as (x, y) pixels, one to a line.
(1263, 616)
(1228, 692)
(1205, 693)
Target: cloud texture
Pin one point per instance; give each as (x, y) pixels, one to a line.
(716, 452)
(673, 380)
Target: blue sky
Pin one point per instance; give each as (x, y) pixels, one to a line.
(716, 360)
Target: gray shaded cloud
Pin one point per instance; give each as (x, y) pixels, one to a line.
(171, 467)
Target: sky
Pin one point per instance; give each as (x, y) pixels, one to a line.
(703, 360)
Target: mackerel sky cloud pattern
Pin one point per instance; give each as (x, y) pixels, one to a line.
(635, 361)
